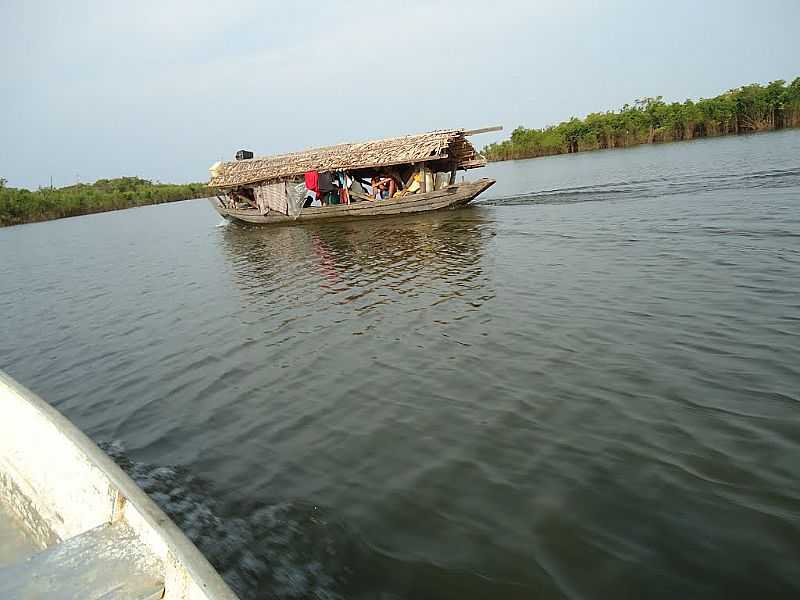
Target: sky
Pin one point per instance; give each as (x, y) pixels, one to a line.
(161, 89)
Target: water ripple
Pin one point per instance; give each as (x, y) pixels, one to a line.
(565, 399)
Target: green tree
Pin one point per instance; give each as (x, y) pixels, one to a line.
(650, 120)
(21, 206)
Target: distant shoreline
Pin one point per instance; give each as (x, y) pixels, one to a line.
(655, 143)
(20, 206)
(748, 109)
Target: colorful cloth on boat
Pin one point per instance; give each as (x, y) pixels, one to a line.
(312, 182)
(344, 183)
(272, 197)
(296, 194)
(325, 183)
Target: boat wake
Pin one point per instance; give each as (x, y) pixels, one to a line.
(655, 187)
(284, 550)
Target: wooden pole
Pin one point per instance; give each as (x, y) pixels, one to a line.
(469, 132)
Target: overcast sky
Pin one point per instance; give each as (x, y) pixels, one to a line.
(161, 88)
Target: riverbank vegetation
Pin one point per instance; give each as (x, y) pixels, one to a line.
(747, 109)
(24, 206)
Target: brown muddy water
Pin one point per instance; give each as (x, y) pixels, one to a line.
(584, 387)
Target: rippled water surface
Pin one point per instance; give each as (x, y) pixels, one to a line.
(584, 387)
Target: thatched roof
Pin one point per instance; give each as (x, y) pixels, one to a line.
(451, 145)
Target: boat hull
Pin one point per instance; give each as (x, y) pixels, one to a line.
(92, 532)
(453, 196)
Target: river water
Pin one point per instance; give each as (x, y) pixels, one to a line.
(588, 386)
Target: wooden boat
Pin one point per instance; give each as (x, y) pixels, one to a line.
(452, 196)
(425, 158)
(74, 525)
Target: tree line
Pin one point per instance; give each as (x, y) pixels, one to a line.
(24, 206)
(749, 108)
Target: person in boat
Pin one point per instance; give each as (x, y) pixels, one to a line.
(383, 187)
(376, 189)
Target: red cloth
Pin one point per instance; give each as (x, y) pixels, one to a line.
(312, 182)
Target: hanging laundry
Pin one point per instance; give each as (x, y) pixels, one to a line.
(325, 183)
(312, 182)
(272, 197)
(344, 195)
(296, 196)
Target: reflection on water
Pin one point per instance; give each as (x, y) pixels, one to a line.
(420, 261)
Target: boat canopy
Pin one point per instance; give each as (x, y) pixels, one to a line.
(450, 147)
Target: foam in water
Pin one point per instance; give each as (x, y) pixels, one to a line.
(283, 550)
(654, 187)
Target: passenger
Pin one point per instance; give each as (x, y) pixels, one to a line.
(375, 183)
(383, 187)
